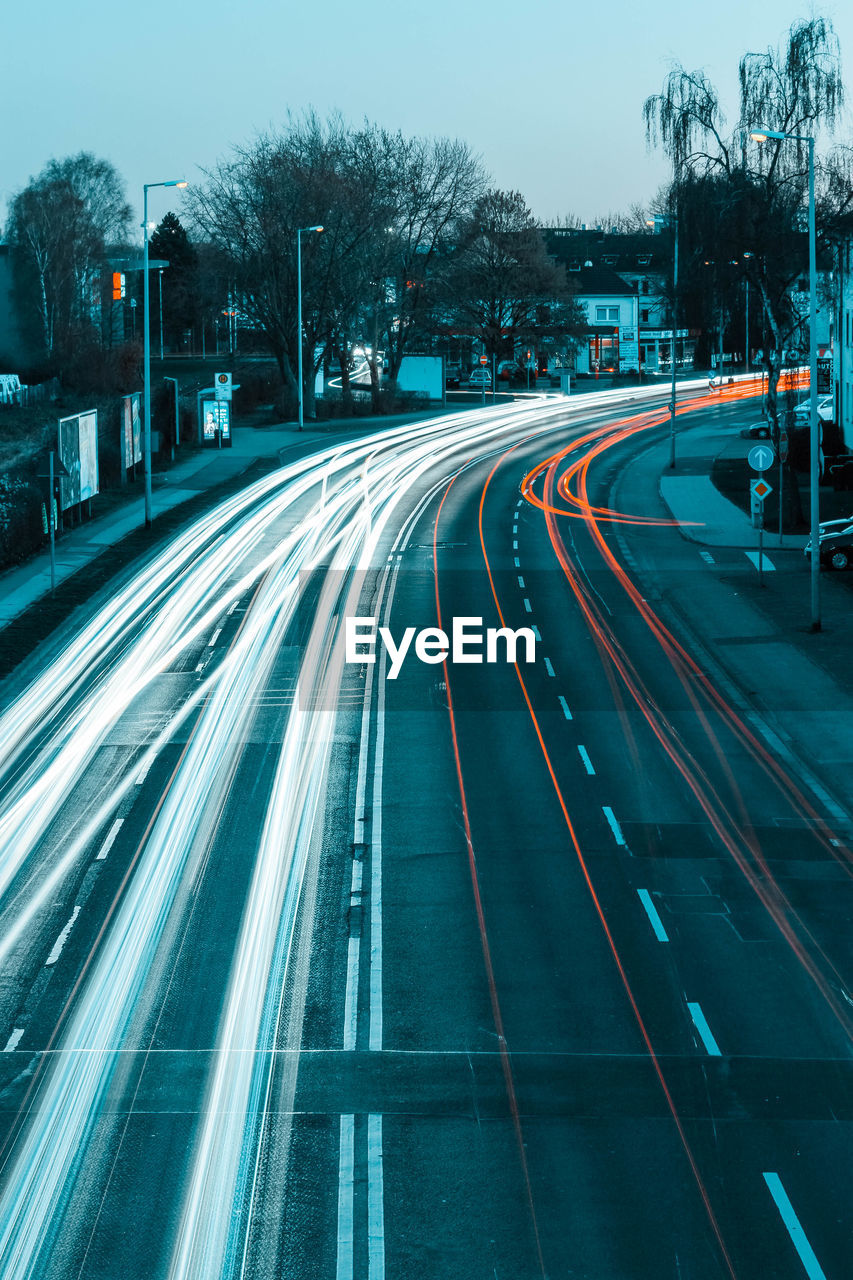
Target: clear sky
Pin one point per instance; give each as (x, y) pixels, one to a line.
(550, 96)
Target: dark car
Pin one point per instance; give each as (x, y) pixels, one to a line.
(760, 431)
(841, 472)
(453, 375)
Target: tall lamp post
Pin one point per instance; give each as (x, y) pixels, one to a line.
(665, 222)
(762, 135)
(146, 439)
(299, 315)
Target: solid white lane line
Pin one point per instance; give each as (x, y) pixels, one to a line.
(702, 1027)
(566, 712)
(346, 1184)
(516, 562)
(584, 755)
(528, 606)
(110, 840)
(521, 581)
(14, 1040)
(212, 641)
(62, 939)
(548, 666)
(753, 557)
(614, 825)
(792, 1223)
(652, 913)
(375, 1201)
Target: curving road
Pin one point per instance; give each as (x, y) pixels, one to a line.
(488, 970)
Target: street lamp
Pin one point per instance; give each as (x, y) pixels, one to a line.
(299, 312)
(762, 135)
(664, 222)
(146, 439)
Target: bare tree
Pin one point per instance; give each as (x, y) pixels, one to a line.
(760, 189)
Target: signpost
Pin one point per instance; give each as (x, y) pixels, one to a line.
(223, 385)
(760, 458)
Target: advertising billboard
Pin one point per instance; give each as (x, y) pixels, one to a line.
(216, 422)
(132, 432)
(421, 375)
(88, 451)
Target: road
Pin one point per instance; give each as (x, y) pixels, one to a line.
(484, 971)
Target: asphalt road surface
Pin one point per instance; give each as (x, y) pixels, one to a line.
(491, 970)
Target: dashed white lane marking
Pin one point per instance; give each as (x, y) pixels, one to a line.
(346, 1184)
(232, 606)
(62, 939)
(792, 1224)
(535, 631)
(707, 557)
(14, 1040)
(548, 667)
(752, 556)
(353, 952)
(614, 825)
(520, 581)
(566, 712)
(515, 544)
(110, 840)
(515, 528)
(375, 1201)
(212, 641)
(528, 606)
(200, 667)
(516, 562)
(143, 772)
(584, 755)
(702, 1027)
(652, 913)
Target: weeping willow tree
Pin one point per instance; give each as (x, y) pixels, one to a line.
(757, 192)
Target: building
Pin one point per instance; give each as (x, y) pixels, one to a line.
(842, 343)
(642, 265)
(14, 352)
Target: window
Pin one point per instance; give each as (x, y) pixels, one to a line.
(607, 315)
(644, 260)
(610, 259)
(645, 286)
(644, 316)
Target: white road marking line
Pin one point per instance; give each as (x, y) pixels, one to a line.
(14, 1040)
(515, 544)
(614, 825)
(535, 631)
(548, 667)
(143, 772)
(346, 1183)
(652, 913)
(62, 939)
(108, 843)
(528, 606)
(516, 562)
(520, 581)
(200, 667)
(566, 712)
(584, 755)
(707, 557)
(350, 999)
(375, 1201)
(702, 1027)
(232, 606)
(792, 1223)
(212, 641)
(752, 556)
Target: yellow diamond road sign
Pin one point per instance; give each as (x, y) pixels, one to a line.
(761, 489)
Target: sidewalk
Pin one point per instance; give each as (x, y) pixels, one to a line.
(796, 686)
(26, 584)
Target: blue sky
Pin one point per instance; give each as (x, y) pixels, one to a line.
(550, 100)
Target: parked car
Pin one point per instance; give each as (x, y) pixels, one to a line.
(825, 409)
(759, 431)
(836, 550)
(480, 377)
(830, 529)
(453, 375)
